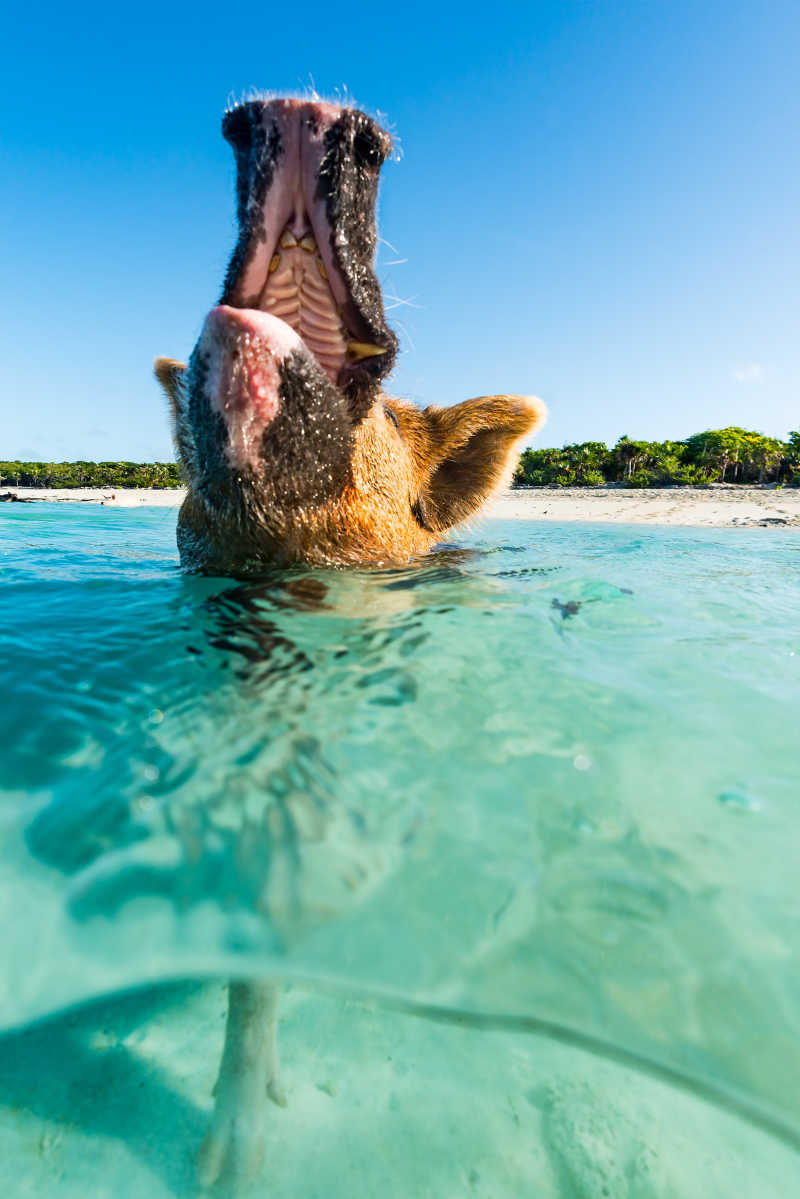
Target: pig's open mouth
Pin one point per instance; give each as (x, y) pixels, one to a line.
(290, 450)
(291, 359)
(307, 181)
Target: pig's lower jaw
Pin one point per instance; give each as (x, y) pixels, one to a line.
(237, 376)
(267, 442)
(259, 404)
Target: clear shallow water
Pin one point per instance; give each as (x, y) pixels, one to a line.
(545, 782)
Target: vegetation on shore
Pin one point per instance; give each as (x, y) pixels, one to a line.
(90, 474)
(729, 455)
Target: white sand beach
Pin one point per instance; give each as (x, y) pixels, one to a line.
(722, 505)
(121, 497)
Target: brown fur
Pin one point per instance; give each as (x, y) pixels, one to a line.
(408, 484)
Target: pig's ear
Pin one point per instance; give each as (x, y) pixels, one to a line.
(170, 375)
(474, 449)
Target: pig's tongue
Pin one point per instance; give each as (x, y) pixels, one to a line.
(243, 351)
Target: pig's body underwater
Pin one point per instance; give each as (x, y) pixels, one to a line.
(293, 453)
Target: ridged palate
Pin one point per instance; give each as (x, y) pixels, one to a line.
(297, 293)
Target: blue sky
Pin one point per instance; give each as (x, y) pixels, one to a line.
(596, 202)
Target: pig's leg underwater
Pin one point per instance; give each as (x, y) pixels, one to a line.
(249, 1070)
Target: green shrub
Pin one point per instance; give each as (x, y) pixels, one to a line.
(730, 455)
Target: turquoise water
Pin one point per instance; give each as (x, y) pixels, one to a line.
(540, 791)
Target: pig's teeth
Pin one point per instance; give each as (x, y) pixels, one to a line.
(356, 350)
(308, 244)
(322, 270)
(273, 264)
(288, 240)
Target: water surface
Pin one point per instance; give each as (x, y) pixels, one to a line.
(542, 785)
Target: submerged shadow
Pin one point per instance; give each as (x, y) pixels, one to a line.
(107, 1090)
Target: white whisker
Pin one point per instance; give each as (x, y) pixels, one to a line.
(398, 302)
(406, 335)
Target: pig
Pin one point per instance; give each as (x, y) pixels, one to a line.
(293, 453)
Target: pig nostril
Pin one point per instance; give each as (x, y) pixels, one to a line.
(236, 127)
(367, 149)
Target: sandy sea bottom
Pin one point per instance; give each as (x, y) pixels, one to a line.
(114, 1100)
(541, 788)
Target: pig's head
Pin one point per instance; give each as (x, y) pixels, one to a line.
(291, 451)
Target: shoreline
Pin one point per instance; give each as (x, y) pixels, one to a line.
(115, 497)
(720, 505)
